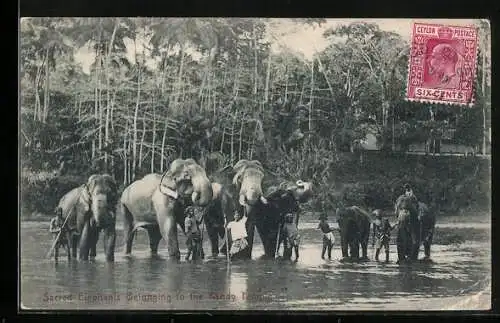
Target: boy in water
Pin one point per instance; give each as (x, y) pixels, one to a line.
(328, 238)
(192, 230)
(55, 228)
(238, 233)
(292, 237)
(382, 232)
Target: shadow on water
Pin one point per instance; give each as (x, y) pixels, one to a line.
(143, 282)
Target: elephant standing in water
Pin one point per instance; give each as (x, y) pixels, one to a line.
(91, 208)
(354, 225)
(157, 203)
(245, 189)
(282, 201)
(408, 233)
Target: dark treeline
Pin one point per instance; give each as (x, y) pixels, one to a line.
(204, 86)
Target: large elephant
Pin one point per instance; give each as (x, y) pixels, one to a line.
(242, 193)
(281, 201)
(354, 226)
(408, 232)
(427, 221)
(157, 203)
(91, 208)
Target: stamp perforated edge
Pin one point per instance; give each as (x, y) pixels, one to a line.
(474, 88)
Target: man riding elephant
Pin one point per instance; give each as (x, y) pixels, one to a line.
(157, 203)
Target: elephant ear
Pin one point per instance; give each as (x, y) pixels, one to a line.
(239, 169)
(112, 189)
(175, 173)
(85, 197)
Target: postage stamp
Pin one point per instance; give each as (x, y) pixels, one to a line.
(443, 62)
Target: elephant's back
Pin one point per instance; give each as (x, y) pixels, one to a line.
(137, 196)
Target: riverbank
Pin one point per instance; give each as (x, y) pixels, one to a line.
(480, 217)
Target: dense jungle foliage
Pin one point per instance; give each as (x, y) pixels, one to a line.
(163, 88)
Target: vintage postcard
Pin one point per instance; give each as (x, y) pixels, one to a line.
(254, 164)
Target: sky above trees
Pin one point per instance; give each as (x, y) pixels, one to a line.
(302, 39)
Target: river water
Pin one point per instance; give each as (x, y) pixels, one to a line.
(461, 268)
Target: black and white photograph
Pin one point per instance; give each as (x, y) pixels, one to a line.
(249, 164)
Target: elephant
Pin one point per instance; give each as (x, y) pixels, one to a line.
(157, 203)
(91, 208)
(242, 194)
(408, 232)
(427, 221)
(354, 226)
(281, 201)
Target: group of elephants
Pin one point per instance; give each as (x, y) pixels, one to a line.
(157, 204)
(415, 226)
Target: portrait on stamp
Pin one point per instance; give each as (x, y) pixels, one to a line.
(443, 64)
(247, 164)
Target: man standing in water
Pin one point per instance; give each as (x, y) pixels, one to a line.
(381, 234)
(58, 232)
(238, 232)
(192, 230)
(328, 237)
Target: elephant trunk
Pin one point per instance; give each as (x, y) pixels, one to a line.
(100, 207)
(202, 191)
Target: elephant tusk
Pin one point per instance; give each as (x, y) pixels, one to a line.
(263, 200)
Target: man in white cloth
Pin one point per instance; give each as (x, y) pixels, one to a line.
(238, 233)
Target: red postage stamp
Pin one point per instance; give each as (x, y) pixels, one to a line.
(442, 67)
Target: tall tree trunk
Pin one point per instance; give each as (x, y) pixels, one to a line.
(240, 140)
(232, 138)
(162, 160)
(311, 98)
(222, 140)
(154, 141)
(108, 89)
(142, 142)
(136, 114)
(46, 94)
(268, 77)
(256, 75)
(125, 153)
(178, 87)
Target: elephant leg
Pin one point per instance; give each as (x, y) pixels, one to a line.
(84, 242)
(415, 245)
(109, 243)
(128, 228)
(169, 232)
(377, 252)
(213, 236)
(296, 252)
(74, 239)
(386, 252)
(93, 243)
(401, 246)
(427, 244)
(344, 245)
(154, 238)
(364, 248)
